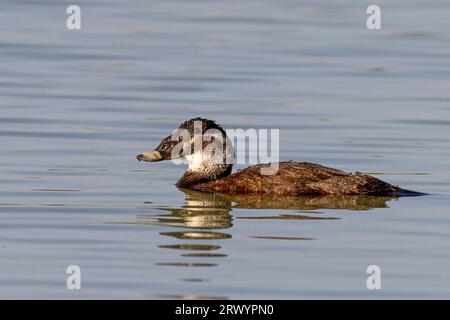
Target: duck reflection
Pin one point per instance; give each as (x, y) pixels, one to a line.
(203, 214)
(302, 203)
(201, 211)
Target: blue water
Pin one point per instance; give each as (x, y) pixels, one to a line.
(77, 106)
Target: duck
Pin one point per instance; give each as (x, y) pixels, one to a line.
(290, 179)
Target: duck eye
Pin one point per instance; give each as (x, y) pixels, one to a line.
(164, 146)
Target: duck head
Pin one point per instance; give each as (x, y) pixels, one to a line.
(202, 144)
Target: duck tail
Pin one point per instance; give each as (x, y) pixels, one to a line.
(407, 193)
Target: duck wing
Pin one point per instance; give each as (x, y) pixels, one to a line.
(292, 178)
(302, 178)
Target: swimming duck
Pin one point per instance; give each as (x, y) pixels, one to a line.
(291, 178)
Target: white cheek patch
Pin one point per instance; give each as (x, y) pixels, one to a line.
(196, 162)
(211, 157)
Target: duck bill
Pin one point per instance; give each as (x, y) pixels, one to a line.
(150, 156)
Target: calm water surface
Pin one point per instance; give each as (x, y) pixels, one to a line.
(77, 106)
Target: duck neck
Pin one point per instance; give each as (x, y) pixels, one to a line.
(193, 177)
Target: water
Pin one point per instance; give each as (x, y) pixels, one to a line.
(77, 106)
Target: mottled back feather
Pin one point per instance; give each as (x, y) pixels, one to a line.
(297, 178)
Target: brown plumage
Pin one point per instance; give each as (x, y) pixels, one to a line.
(294, 178)
(291, 178)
